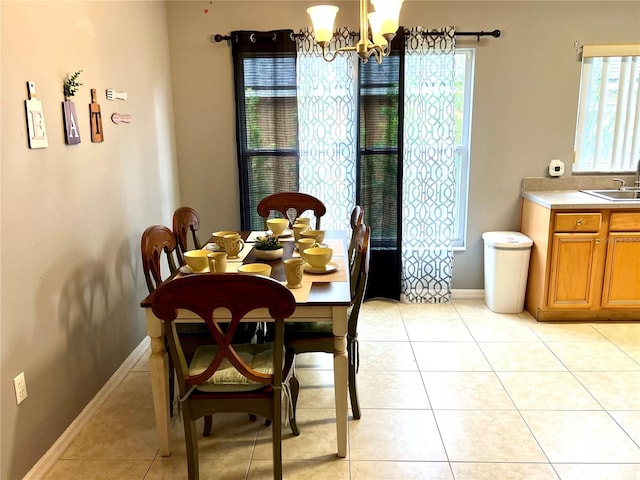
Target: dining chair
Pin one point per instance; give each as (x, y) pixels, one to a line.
(357, 214)
(186, 223)
(307, 337)
(291, 205)
(227, 377)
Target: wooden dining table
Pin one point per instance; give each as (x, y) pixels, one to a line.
(324, 297)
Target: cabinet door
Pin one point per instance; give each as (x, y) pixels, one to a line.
(572, 279)
(622, 271)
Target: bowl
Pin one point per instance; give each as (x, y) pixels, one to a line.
(218, 237)
(255, 269)
(277, 225)
(197, 260)
(317, 234)
(268, 254)
(317, 257)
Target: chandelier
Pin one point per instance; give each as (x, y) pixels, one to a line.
(383, 22)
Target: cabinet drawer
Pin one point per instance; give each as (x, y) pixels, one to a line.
(625, 222)
(577, 222)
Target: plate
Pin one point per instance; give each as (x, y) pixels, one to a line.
(287, 233)
(212, 247)
(330, 267)
(186, 270)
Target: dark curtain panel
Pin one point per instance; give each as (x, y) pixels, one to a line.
(380, 166)
(266, 117)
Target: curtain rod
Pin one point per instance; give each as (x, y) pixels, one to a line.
(494, 33)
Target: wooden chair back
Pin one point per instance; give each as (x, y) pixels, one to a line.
(291, 205)
(186, 223)
(357, 214)
(157, 242)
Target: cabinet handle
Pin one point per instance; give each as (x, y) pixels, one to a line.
(579, 222)
(597, 240)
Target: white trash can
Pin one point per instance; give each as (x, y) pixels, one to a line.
(506, 266)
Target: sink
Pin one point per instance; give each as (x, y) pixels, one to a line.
(616, 195)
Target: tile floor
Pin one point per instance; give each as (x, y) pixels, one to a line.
(449, 391)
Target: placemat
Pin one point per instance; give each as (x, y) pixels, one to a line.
(340, 275)
(301, 294)
(261, 233)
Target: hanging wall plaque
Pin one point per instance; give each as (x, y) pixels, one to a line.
(35, 119)
(97, 135)
(71, 131)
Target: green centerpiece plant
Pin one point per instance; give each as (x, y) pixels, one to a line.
(268, 247)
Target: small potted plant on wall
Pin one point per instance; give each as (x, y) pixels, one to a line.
(268, 247)
(71, 130)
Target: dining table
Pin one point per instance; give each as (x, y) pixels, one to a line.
(323, 297)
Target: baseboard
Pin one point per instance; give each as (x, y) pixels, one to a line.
(458, 294)
(42, 467)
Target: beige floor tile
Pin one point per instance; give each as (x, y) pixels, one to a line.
(477, 308)
(547, 391)
(506, 329)
(623, 334)
(576, 437)
(116, 434)
(630, 423)
(210, 469)
(449, 357)
(400, 435)
(614, 390)
(143, 364)
(318, 360)
(330, 469)
(233, 436)
(437, 330)
(632, 351)
(98, 470)
(592, 356)
(133, 393)
(503, 471)
(380, 320)
(520, 357)
(592, 471)
(466, 391)
(316, 388)
(566, 332)
(387, 356)
(391, 390)
(421, 311)
(317, 439)
(487, 436)
(371, 470)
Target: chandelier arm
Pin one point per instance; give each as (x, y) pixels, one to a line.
(331, 58)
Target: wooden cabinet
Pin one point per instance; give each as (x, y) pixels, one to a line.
(585, 265)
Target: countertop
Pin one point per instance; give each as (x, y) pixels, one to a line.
(574, 199)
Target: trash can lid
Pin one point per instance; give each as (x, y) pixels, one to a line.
(515, 240)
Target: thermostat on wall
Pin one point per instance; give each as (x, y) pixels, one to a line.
(556, 168)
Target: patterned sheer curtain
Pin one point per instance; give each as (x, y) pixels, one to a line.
(327, 108)
(428, 187)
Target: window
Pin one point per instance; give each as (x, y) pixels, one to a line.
(608, 124)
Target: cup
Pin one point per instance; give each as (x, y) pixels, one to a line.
(305, 243)
(218, 237)
(197, 260)
(297, 229)
(233, 244)
(217, 262)
(293, 272)
(318, 235)
(305, 220)
(255, 269)
(277, 225)
(317, 257)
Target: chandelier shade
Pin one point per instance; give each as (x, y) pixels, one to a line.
(377, 28)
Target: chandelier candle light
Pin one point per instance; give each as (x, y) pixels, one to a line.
(383, 22)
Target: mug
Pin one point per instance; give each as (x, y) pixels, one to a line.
(318, 235)
(293, 272)
(233, 244)
(217, 262)
(305, 220)
(218, 237)
(297, 229)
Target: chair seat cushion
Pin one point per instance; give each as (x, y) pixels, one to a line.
(226, 378)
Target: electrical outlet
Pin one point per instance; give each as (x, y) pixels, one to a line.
(20, 384)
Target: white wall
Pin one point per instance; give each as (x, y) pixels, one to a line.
(526, 93)
(72, 216)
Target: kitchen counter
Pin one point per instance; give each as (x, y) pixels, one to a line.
(572, 199)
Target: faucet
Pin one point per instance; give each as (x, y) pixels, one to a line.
(623, 184)
(637, 182)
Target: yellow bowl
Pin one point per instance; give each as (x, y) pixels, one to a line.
(277, 225)
(317, 234)
(197, 260)
(317, 257)
(255, 269)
